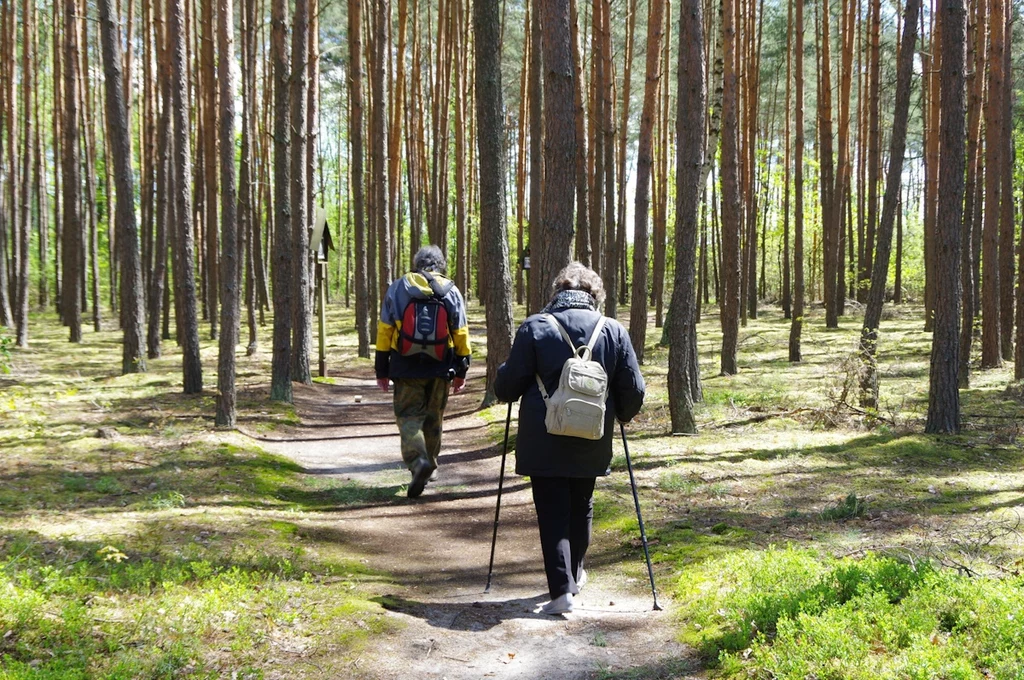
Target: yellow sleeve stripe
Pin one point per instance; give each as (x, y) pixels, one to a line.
(387, 337)
(460, 337)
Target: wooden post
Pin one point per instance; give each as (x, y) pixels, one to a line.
(321, 306)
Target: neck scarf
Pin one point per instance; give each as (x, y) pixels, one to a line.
(571, 299)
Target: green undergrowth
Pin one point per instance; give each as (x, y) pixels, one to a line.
(903, 549)
(98, 612)
(138, 541)
(793, 614)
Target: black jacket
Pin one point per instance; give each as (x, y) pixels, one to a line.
(539, 348)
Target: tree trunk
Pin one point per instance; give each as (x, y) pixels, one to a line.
(524, 79)
(560, 143)
(71, 304)
(249, 219)
(378, 159)
(787, 290)
(490, 111)
(299, 199)
(645, 148)
(58, 156)
(164, 200)
(192, 369)
(890, 201)
(584, 250)
(536, 285)
(968, 246)
(874, 169)
(91, 263)
(1006, 204)
(209, 171)
(132, 358)
(284, 254)
(23, 227)
(611, 254)
(730, 305)
(931, 64)
(620, 222)
(683, 370)
(991, 351)
(796, 327)
(660, 231)
(229, 269)
(355, 123)
(943, 395)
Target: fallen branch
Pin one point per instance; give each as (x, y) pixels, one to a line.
(759, 418)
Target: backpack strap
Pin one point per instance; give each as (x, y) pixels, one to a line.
(575, 350)
(597, 333)
(565, 335)
(439, 290)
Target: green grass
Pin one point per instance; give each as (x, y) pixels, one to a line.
(882, 523)
(136, 541)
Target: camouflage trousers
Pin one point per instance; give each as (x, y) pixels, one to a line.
(419, 409)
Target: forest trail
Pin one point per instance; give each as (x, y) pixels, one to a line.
(436, 548)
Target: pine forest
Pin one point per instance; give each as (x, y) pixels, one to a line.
(806, 214)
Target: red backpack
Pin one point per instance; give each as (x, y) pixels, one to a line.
(425, 323)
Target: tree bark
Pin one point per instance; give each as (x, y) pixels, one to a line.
(299, 199)
(192, 369)
(683, 370)
(991, 351)
(284, 255)
(248, 216)
(584, 249)
(968, 246)
(560, 143)
(1007, 201)
(731, 218)
(943, 393)
(645, 161)
(355, 123)
(490, 111)
(890, 201)
(796, 327)
(132, 358)
(378, 159)
(536, 285)
(164, 200)
(208, 192)
(874, 142)
(23, 228)
(229, 265)
(71, 305)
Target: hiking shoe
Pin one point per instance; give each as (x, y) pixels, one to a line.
(560, 605)
(421, 470)
(433, 476)
(582, 580)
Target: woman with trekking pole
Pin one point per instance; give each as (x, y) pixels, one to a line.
(576, 373)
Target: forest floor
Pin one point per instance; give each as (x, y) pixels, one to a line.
(436, 550)
(138, 540)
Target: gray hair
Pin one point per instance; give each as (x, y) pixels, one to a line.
(430, 259)
(577, 276)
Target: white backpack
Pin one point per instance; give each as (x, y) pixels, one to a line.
(576, 409)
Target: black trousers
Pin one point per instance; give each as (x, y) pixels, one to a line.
(565, 515)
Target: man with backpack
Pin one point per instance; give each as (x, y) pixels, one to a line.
(422, 345)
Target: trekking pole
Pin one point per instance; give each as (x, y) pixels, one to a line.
(497, 508)
(640, 519)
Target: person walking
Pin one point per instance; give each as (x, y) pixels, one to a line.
(422, 347)
(563, 469)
